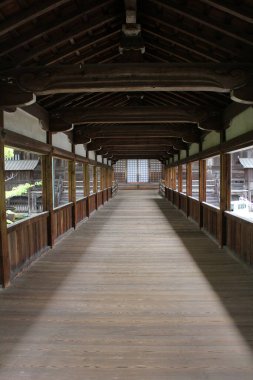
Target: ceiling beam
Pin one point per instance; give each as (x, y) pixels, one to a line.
(134, 77)
(206, 118)
(142, 143)
(84, 134)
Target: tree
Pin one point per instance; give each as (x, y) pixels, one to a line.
(8, 153)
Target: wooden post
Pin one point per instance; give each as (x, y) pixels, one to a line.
(95, 185)
(202, 189)
(188, 185)
(103, 185)
(86, 176)
(47, 180)
(72, 190)
(4, 251)
(225, 178)
(180, 178)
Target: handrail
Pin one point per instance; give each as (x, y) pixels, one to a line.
(231, 215)
(27, 220)
(63, 206)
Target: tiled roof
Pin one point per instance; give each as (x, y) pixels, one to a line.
(14, 165)
(247, 163)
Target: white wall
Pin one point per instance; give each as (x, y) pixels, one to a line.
(60, 140)
(80, 150)
(92, 155)
(99, 158)
(25, 124)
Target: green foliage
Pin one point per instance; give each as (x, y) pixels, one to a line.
(8, 153)
(21, 189)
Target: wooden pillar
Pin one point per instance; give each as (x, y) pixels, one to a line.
(4, 251)
(180, 178)
(95, 185)
(47, 180)
(188, 186)
(72, 190)
(86, 176)
(225, 178)
(202, 189)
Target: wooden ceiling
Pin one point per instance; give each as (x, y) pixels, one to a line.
(47, 36)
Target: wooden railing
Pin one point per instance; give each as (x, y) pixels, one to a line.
(26, 240)
(211, 220)
(92, 203)
(99, 199)
(62, 220)
(183, 203)
(105, 195)
(238, 230)
(109, 192)
(240, 236)
(81, 209)
(176, 199)
(194, 209)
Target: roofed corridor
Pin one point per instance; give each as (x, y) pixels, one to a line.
(136, 292)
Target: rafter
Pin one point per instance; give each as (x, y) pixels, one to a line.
(185, 46)
(186, 11)
(30, 14)
(83, 45)
(241, 11)
(169, 25)
(60, 38)
(53, 26)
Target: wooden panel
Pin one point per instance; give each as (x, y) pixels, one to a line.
(170, 195)
(99, 199)
(81, 209)
(211, 220)
(4, 257)
(183, 202)
(26, 240)
(109, 193)
(176, 198)
(92, 203)
(194, 209)
(240, 237)
(105, 195)
(62, 219)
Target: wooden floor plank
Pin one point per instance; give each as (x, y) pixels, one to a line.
(137, 292)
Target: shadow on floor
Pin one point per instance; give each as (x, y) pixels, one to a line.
(231, 280)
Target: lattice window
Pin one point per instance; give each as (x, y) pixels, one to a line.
(91, 178)
(120, 171)
(132, 171)
(98, 178)
(143, 172)
(155, 170)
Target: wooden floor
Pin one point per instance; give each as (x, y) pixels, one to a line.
(136, 293)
